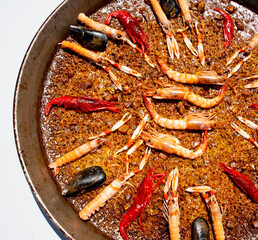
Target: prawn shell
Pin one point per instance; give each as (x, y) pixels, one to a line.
(91, 39)
(170, 8)
(200, 230)
(87, 178)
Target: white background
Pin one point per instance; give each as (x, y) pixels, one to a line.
(21, 218)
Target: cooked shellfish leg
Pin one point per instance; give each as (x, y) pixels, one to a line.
(170, 206)
(135, 135)
(246, 50)
(244, 134)
(236, 68)
(213, 208)
(120, 123)
(187, 41)
(111, 190)
(111, 33)
(167, 29)
(248, 123)
(253, 84)
(200, 45)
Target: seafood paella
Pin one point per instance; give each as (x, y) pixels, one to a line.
(148, 119)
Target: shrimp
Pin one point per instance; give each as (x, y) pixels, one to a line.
(194, 121)
(201, 77)
(172, 145)
(167, 29)
(75, 154)
(213, 208)
(111, 33)
(170, 206)
(135, 135)
(110, 191)
(182, 93)
(120, 123)
(247, 50)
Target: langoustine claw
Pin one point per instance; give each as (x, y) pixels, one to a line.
(247, 50)
(253, 84)
(213, 208)
(189, 21)
(111, 33)
(242, 181)
(132, 27)
(172, 145)
(83, 104)
(110, 191)
(170, 206)
(141, 200)
(167, 29)
(194, 121)
(182, 93)
(201, 77)
(243, 133)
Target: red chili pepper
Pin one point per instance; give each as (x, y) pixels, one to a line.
(227, 28)
(254, 106)
(142, 198)
(242, 181)
(84, 104)
(132, 27)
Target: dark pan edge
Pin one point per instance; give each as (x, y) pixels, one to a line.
(76, 228)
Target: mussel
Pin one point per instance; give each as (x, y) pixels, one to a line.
(170, 8)
(200, 229)
(91, 39)
(87, 178)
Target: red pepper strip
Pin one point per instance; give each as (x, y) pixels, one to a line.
(242, 181)
(142, 198)
(132, 27)
(254, 106)
(84, 104)
(227, 28)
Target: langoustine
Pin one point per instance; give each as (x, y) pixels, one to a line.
(172, 145)
(111, 33)
(189, 21)
(201, 77)
(111, 190)
(141, 200)
(183, 93)
(99, 60)
(76, 154)
(194, 121)
(170, 206)
(213, 207)
(166, 26)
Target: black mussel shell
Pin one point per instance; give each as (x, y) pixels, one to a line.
(87, 178)
(200, 229)
(170, 8)
(91, 39)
